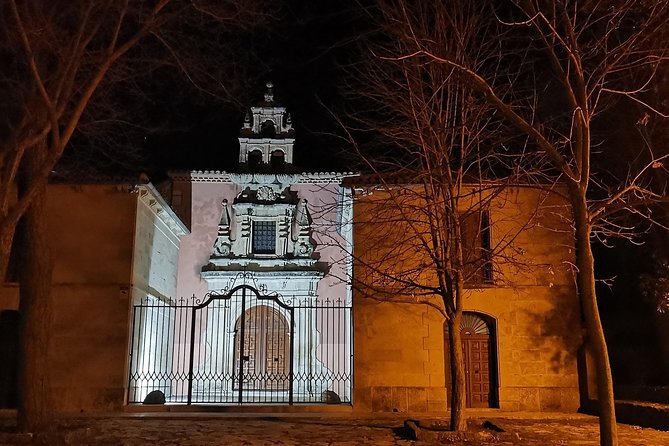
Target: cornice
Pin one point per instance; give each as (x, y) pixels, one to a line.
(217, 176)
(150, 196)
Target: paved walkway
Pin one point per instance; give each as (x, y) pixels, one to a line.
(252, 430)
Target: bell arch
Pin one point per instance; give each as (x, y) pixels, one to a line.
(268, 129)
(277, 161)
(255, 160)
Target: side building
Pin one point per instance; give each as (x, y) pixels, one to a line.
(109, 242)
(519, 329)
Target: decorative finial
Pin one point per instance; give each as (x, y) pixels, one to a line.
(269, 96)
(247, 120)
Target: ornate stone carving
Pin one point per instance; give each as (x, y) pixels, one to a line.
(305, 250)
(265, 193)
(269, 95)
(301, 231)
(221, 248)
(223, 243)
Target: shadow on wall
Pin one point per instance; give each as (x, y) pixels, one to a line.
(557, 332)
(9, 349)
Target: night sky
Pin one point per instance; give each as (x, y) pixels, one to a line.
(301, 53)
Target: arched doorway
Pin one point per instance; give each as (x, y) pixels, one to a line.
(477, 332)
(264, 333)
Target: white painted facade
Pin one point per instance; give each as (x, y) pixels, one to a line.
(154, 278)
(284, 233)
(156, 249)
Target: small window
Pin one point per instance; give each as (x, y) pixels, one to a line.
(278, 161)
(264, 237)
(255, 161)
(476, 247)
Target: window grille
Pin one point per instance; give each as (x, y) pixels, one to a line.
(264, 237)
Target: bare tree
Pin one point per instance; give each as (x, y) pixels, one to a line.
(56, 56)
(424, 216)
(567, 59)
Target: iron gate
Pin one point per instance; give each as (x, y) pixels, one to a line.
(242, 347)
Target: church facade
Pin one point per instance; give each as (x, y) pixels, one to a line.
(235, 288)
(265, 267)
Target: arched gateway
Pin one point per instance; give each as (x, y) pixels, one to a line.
(241, 347)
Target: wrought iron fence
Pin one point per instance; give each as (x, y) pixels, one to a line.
(242, 348)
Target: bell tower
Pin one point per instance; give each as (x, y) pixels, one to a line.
(267, 137)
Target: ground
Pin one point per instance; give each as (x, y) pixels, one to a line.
(331, 429)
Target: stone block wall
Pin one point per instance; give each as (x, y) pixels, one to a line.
(537, 344)
(92, 230)
(398, 362)
(92, 236)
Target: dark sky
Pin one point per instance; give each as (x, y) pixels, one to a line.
(300, 52)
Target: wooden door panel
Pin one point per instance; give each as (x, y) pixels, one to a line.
(477, 366)
(265, 350)
(276, 364)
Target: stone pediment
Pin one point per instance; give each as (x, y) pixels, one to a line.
(265, 224)
(267, 195)
(306, 266)
(280, 180)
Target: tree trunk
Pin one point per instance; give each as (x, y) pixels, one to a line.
(595, 333)
(35, 402)
(6, 237)
(458, 397)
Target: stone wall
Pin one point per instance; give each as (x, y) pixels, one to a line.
(92, 243)
(399, 358)
(92, 232)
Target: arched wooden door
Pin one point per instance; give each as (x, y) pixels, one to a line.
(265, 354)
(475, 335)
(479, 359)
